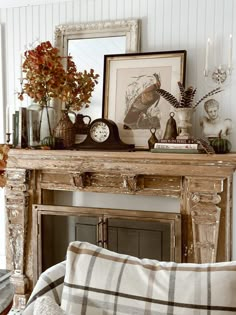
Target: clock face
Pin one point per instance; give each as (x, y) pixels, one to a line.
(99, 132)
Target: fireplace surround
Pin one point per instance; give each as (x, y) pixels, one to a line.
(202, 182)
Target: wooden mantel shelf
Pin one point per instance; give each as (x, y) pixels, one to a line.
(73, 160)
(202, 182)
(59, 154)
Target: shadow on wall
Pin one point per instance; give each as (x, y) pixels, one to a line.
(116, 201)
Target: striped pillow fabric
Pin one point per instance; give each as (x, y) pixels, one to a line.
(50, 283)
(99, 281)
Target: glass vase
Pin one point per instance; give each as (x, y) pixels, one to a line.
(34, 114)
(47, 122)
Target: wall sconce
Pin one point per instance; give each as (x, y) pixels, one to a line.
(221, 73)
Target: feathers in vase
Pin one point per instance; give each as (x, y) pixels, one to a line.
(186, 96)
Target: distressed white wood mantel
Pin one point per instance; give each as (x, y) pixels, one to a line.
(202, 182)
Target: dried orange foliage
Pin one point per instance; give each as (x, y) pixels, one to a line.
(3, 162)
(44, 73)
(78, 87)
(46, 78)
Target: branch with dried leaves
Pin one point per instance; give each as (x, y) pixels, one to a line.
(46, 79)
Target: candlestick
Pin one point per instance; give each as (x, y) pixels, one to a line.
(230, 52)
(207, 57)
(8, 137)
(220, 74)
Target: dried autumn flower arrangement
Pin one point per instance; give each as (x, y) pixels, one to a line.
(44, 73)
(186, 96)
(46, 79)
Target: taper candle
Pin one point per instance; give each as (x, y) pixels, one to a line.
(21, 71)
(230, 52)
(207, 56)
(7, 118)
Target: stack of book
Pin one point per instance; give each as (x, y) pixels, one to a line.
(176, 146)
(4, 278)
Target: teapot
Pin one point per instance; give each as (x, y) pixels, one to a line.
(81, 125)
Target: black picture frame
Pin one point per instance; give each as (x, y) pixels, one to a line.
(130, 77)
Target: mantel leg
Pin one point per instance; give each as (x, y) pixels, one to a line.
(206, 212)
(17, 200)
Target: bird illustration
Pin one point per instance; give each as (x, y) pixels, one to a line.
(138, 116)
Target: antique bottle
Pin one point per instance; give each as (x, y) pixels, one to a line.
(65, 130)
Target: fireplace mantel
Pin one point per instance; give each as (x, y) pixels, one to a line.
(202, 182)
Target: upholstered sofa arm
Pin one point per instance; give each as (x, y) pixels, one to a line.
(50, 283)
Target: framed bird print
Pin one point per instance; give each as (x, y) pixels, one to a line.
(130, 92)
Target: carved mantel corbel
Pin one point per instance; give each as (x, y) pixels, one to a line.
(203, 200)
(130, 182)
(17, 204)
(81, 179)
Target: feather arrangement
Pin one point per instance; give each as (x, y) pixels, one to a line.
(186, 96)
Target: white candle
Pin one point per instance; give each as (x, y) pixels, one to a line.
(7, 118)
(21, 64)
(230, 52)
(207, 56)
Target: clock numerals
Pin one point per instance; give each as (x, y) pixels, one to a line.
(99, 132)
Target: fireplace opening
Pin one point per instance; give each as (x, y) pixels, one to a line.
(145, 234)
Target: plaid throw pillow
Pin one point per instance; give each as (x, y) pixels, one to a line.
(99, 281)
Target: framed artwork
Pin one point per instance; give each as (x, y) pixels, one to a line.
(130, 95)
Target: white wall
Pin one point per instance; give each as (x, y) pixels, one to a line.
(166, 25)
(2, 140)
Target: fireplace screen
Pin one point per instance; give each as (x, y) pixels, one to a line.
(145, 234)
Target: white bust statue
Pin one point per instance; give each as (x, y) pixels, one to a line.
(212, 124)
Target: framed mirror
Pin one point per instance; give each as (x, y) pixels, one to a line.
(87, 43)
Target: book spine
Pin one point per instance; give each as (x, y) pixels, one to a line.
(15, 128)
(184, 151)
(22, 131)
(176, 146)
(176, 141)
(24, 141)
